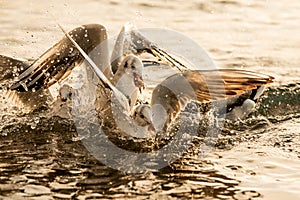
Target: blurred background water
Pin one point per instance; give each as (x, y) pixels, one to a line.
(259, 158)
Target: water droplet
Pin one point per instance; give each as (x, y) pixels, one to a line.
(33, 126)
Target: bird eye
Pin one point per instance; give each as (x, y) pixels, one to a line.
(133, 67)
(142, 116)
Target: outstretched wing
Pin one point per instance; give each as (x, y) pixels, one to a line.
(208, 85)
(57, 63)
(204, 86)
(213, 85)
(132, 41)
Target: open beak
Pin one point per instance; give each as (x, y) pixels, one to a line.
(138, 81)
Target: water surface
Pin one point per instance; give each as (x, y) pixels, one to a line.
(257, 158)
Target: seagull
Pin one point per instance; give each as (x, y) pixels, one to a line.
(204, 86)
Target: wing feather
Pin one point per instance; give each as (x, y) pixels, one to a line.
(204, 86)
(59, 59)
(211, 85)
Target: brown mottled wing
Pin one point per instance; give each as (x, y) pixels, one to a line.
(212, 85)
(206, 86)
(56, 63)
(51, 65)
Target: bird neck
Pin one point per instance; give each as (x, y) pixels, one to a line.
(125, 84)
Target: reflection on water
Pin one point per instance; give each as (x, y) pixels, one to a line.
(42, 158)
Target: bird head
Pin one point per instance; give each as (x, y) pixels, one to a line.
(133, 66)
(142, 115)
